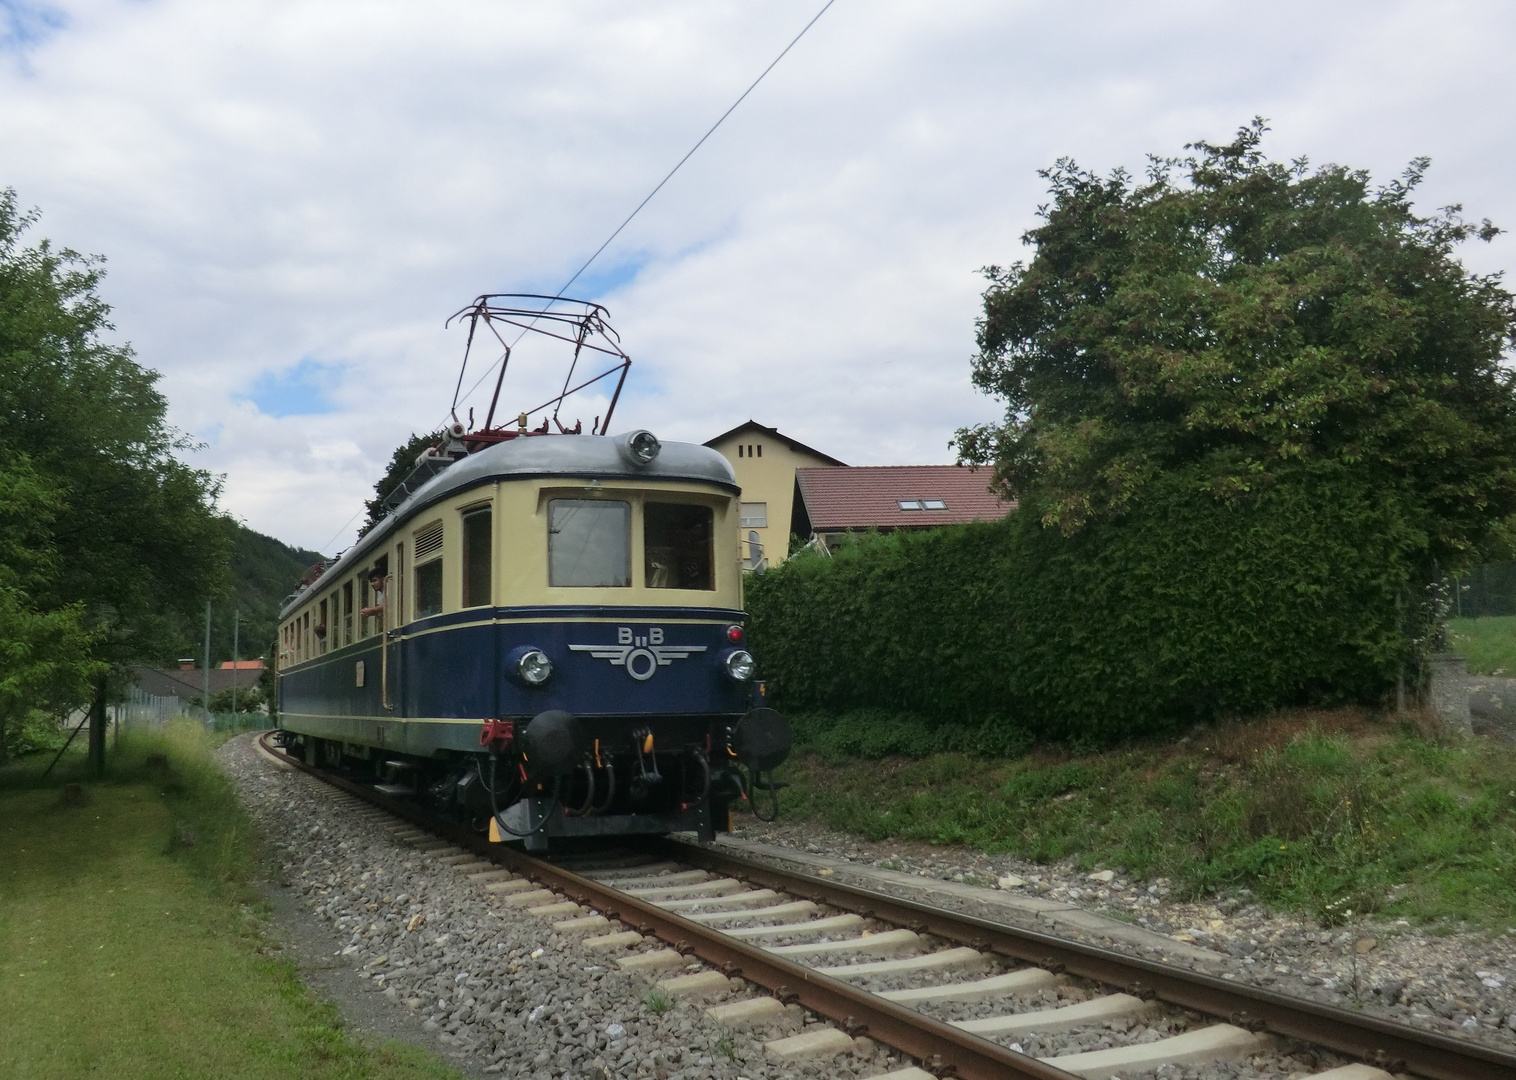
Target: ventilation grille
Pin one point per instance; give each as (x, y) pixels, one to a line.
(428, 541)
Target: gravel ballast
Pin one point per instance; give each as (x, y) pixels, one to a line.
(499, 992)
(496, 987)
(1458, 983)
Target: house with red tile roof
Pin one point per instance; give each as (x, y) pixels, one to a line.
(790, 489)
(830, 503)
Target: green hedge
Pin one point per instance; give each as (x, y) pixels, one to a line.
(1187, 609)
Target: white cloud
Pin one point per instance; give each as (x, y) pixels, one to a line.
(277, 182)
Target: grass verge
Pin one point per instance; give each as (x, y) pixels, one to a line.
(131, 945)
(1489, 643)
(1328, 812)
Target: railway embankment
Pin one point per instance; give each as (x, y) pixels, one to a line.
(1335, 856)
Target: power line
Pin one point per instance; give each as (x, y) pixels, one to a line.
(647, 199)
(659, 187)
(339, 532)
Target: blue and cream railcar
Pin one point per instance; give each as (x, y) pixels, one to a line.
(547, 635)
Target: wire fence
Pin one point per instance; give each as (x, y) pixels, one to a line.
(1489, 589)
(150, 712)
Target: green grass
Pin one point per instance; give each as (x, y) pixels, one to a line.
(1325, 813)
(658, 1001)
(130, 945)
(1489, 643)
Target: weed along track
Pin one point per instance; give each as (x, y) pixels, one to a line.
(835, 980)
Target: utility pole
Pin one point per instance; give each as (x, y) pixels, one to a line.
(206, 700)
(236, 674)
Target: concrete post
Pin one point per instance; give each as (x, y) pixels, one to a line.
(1449, 692)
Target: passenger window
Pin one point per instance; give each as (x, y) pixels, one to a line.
(429, 589)
(347, 613)
(676, 538)
(476, 558)
(589, 543)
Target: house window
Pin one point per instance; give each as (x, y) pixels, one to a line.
(760, 449)
(589, 543)
(676, 539)
(909, 504)
(933, 504)
(476, 558)
(429, 589)
(755, 515)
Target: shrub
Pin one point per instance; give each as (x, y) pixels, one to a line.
(1185, 610)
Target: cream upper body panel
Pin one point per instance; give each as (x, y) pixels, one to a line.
(519, 504)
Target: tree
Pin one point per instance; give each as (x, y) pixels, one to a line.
(1240, 322)
(248, 699)
(45, 656)
(402, 462)
(125, 534)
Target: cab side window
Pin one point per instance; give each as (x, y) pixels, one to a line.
(589, 543)
(676, 540)
(428, 549)
(477, 555)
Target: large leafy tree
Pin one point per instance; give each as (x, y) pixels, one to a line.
(114, 528)
(45, 656)
(1243, 322)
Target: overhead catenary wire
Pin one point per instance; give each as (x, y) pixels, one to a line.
(657, 188)
(457, 400)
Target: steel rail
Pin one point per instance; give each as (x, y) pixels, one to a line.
(942, 1048)
(1390, 1046)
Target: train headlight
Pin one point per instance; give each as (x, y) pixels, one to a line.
(638, 447)
(739, 665)
(534, 667)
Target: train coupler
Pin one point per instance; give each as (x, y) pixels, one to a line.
(497, 734)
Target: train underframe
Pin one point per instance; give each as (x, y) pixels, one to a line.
(555, 777)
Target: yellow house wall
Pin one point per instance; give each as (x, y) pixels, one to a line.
(768, 479)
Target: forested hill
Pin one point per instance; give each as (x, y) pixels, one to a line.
(264, 572)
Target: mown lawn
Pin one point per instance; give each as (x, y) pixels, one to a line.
(130, 946)
(1328, 813)
(1489, 643)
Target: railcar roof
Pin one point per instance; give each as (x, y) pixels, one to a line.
(567, 456)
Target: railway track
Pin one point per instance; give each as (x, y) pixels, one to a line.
(816, 945)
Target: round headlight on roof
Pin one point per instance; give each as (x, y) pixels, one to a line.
(638, 447)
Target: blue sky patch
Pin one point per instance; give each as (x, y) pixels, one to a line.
(26, 25)
(600, 280)
(303, 390)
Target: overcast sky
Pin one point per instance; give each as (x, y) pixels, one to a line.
(294, 196)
